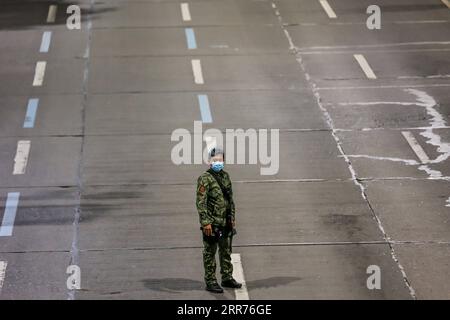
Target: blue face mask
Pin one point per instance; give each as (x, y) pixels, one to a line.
(217, 166)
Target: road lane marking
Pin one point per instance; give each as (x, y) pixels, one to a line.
(51, 17)
(365, 66)
(420, 153)
(12, 203)
(39, 73)
(326, 6)
(238, 275)
(31, 113)
(3, 265)
(379, 45)
(385, 87)
(408, 162)
(433, 76)
(437, 120)
(205, 110)
(448, 202)
(21, 158)
(355, 179)
(45, 43)
(197, 70)
(190, 37)
(375, 103)
(378, 51)
(185, 11)
(447, 3)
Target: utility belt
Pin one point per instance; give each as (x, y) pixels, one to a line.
(219, 232)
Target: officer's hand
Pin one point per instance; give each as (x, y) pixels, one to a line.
(207, 230)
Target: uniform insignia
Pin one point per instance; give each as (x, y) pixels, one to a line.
(202, 189)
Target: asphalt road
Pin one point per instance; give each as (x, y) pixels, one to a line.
(86, 118)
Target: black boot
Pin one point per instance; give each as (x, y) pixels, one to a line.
(214, 287)
(231, 284)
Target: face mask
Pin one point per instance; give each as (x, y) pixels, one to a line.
(217, 166)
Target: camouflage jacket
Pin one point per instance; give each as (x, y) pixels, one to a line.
(211, 204)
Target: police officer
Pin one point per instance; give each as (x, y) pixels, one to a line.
(216, 211)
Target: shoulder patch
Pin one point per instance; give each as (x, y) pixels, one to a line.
(201, 189)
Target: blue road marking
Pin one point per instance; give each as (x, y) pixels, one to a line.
(204, 108)
(190, 36)
(30, 117)
(10, 214)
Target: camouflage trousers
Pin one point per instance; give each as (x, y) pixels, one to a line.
(209, 259)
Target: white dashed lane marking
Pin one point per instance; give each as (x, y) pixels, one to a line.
(3, 265)
(21, 158)
(415, 146)
(185, 13)
(330, 12)
(51, 17)
(365, 66)
(197, 70)
(238, 275)
(39, 73)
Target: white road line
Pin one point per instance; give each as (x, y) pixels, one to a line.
(385, 87)
(39, 73)
(197, 70)
(415, 146)
(185, 11)
(238, 275)
(9, 216)
(3, 265)
(447, 3)
(448, 202)
(433, 76)
(365, 66)
(21, 158)
(378, 51)
(326, 6)
(379, 45)
(51, 17)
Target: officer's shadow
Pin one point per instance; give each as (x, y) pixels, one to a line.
(178, 285)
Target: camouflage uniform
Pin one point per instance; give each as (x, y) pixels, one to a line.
(212, 209)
